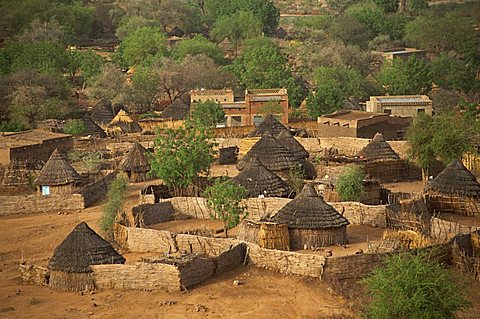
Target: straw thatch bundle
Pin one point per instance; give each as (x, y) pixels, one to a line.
(177, 110)
(82, 248)
(269, 125)
(286, 139)
(248, 231)
(259, 180)
(312, 222)
(123, 123)
(92, 128)
(378, 150)
(228, 155)
(271, 154)
(57, 171)
(274, 236)
(102, 113)
(405, 239)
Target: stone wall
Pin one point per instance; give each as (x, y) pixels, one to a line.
(96, 191)
(361, 214)
(31, 204)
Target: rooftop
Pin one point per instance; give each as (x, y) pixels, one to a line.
(352, 115)
(400, 99)
(32, 137)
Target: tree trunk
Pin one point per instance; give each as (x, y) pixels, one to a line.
(424, 176)
(225, 229)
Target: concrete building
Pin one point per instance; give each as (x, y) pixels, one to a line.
(402, 54)
(249, 110)
(400, 105)
(349, 123)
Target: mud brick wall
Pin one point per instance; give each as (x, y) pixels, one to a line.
(146, 240)
(31, 204)
(231, 258)
(196, 271)
(361, 214)
(94, 192)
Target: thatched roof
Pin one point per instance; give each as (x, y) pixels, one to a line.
(258, 179)
(178, 110)
(57, 171)
(176, 32)
(122, 116)
(271, 154)
(82, 248)
(126, 127)
(102, 113)
(91, 128)
(135, 160)
(455, 179)
(309, 211)
(378, 149)
(269, 124)
(281, 34)
(286, 139)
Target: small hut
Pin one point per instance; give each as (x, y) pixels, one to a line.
(92, 128)
(454, 190)
(70, 264)
(282, 34)
(102, 113)
(259, 180)
(135, 164)
(311, 221)
(271, 125)
(176, 32)
(286, 139)
(57, 176)
(123, 123)
(176, 111)
(378, 150)
(271, 154)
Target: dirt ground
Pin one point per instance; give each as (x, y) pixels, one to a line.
(262, 294)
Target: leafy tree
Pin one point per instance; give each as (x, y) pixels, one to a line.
(326, 99)
(414, 286)
(264, 66)
(89, 161)
(207, 114)
(131, 23)
(116, 197)
(42, 31)
(235, 28)
(109, 85)
(451, 73)
(264, 10)
(417, 6)
(141, 44)
(404, 78)
(74, 127)
(388, 6)
(351, 31)
(88, 63)
(350, 184)
(198, 45)
(12, 126)
(76, 21)
(270, 108)
(181, 155)
(348, 80)
(224, 198)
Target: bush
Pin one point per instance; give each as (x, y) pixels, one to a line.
(12, 126)
(114, 205)
(413, 286)
(350, 184)
(74, 127)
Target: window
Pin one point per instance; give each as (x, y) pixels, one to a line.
(45, 190)
(387, 111)
(420, 111)
(236, 121)
(222, 123)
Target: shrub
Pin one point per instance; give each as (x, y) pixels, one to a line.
(114, 205)
(350, 184)
(74, 127)
(90, 162)
(295, 179)
(12, 126)
(413, 286)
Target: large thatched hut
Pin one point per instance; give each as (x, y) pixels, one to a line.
(259, 180)
(311, 221)
(270, 124)
(57, 176)
(271, 154)
(135, 164)
(287, 140)
(454, 190)
(176, 111)
(102, 113)
(70, 264)
(378, 150)
(92, 128)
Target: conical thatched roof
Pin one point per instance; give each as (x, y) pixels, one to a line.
(269, 124)
(82, 248)
(176, 32)
(271, 154)
(455, 179)
(378, 149)
(286, 139)
(57, 171)
(102, 113)
(91, 128)
(281, 34)
(309, 211)
(136, 160)
(258, 179)
(122, 116)
(178, 110)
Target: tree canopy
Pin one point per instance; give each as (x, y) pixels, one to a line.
(196, 46)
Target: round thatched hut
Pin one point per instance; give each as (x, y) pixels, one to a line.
(287, 140)
(259, 180)
(70, 264)
(271, 154)
(378, 150)
(92, 128)
(102, 113)
(311, 221)
(57, 176)
(454, 190)
(176, 111)
(123, 123)
(269, 124)
(135, 164)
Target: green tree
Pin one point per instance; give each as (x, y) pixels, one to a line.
(224, 198)
(131, 23)
(235, 28)
(414, 286)
(109, 85)
(74, 127)
(198, 45)
(270, 108)
(181, 155)
(388, 6)
(141, 44)
(349, 186)
(451, 73)
(116, 197)
(42, 31)
(348, 80)
(404, 78)
(88, 63)
(207, 113)
(417, 6)
(326, 99)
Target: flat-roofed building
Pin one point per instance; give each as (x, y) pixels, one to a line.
(402, 54)
(400, 105)
(350, 123)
